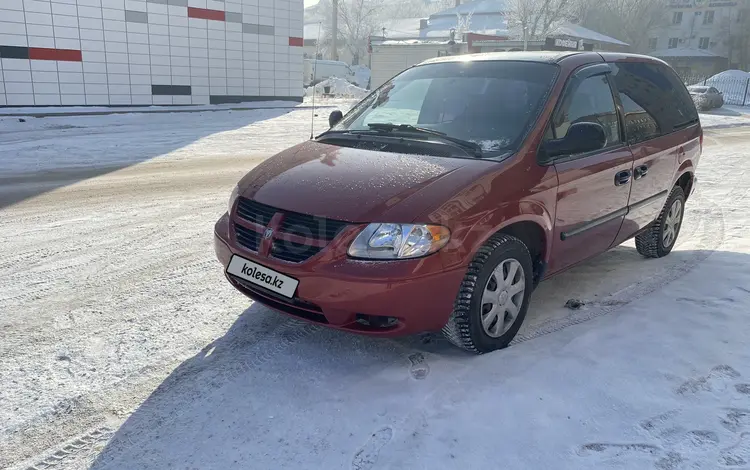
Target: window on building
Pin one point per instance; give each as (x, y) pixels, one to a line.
(673, 43)
(677, 17)
(703, 43)
(742, 16)
(708, 17)
(652, 43)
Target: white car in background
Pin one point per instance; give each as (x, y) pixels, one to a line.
(706, 97)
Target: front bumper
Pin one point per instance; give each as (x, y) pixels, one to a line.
(334, 290)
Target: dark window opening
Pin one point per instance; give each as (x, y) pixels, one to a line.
(655, 101)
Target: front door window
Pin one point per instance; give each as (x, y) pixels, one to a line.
(591, 102)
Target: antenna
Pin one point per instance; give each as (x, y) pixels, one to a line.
(315, 75)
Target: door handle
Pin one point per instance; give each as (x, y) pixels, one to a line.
(622, 178)
(640, 172)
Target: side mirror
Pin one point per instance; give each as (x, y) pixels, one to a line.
(335, 118)
(582, 137)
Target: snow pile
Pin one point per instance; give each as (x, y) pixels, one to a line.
(730, 75)
(733, 84)
(338, 88)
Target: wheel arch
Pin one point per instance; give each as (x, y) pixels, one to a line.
(685, 181)
(535, 231)
(536, 239)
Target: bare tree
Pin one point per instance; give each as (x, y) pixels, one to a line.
(358, 20)
(463, 22)
(535, 19)
(631, 21)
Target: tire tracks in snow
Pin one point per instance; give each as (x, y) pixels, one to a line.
(270, 344)
(711, 230)
(290, 331)
(710, 241)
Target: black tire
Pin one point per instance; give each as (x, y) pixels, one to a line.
(464, 328)
(650, 243)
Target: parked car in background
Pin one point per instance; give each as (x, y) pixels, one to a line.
(444, 197)
(706, 97)
(316, 71)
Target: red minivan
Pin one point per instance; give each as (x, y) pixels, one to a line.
(443, 198)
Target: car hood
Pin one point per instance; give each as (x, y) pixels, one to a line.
(357, 185)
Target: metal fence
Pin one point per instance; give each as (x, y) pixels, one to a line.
(736, 91)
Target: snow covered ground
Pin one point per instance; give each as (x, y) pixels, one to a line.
(726, 116)
(124, 348)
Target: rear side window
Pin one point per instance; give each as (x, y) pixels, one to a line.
(659, 103)
(639, 124)
(590, 101)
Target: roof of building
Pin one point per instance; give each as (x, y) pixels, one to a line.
(402, 28)
(409, 42)
(575, 30)
(491, 17)
(476, 7)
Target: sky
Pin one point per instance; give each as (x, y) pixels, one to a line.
(310, 2)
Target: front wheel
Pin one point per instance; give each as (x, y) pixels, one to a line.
(494, 296)
(660, 238)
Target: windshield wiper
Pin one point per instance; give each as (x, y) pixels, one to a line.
(475, 148)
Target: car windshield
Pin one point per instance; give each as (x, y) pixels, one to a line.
(698, 89)
(490, 103)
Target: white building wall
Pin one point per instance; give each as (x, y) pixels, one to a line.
(142, 52)
(702, 24)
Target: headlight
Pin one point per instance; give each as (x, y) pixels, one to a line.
(398, 241)
(233, 197)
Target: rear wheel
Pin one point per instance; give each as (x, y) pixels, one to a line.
(660, 238)
(494, 296)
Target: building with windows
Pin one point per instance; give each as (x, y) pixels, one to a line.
(143, 52)
(703, 37)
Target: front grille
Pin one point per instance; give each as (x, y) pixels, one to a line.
(312, 228)
(250, 239)
(254, 211)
